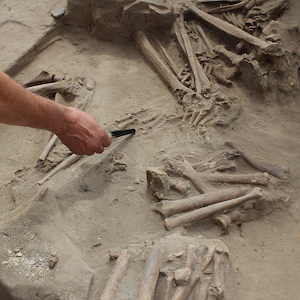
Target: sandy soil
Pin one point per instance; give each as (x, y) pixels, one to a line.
(91, 206)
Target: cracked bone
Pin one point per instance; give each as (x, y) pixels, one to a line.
(217, 285)
(274, 170)
(235, 59)
(226, 219)
(202, 288)
(110, 288)
(151, 273)
(158, 180)
(181, 186)
(208, 257)
(266, 47)
(209, 211)
(149, 52)
(168, 208)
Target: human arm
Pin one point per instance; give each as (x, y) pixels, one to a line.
(78, 130)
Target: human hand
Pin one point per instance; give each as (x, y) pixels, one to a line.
(81, 133)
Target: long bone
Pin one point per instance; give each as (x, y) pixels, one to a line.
(208, 256)
(205, 39)
(217, 285)
(202, 288)
(235, 59)
(47, 149)
(166, 287)
(168, 208)
(43, 77)
(110, 288)
(49, 88)
(274, 170)
(266, 47)
(208, 211)
(149, 52)
(183, 292)
(219, 10)
(255, 178)
(151, 273)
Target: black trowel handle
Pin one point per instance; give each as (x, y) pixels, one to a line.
(117, 133)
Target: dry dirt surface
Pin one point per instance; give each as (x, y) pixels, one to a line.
(59, 240)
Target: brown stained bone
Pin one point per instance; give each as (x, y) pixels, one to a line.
(181, 186)
(168, 208)
(42, 78)
(110, 288)
(167, 57)
(183, 292)
(209, 211)
(49, 88)
(235, 59)
(201, 289)
(222, 9)
(63, 165)
(151, 273)
(274, 170)
(208, 257)
(149, 52)
(255, 178)
(205, 39)
(266, 47)
(127, 123)
(166, 287)
(181, 166)
(225, 220)
(217, 286)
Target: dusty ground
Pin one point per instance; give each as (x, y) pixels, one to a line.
(86, 206)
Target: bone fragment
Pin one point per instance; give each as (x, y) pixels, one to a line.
(110, 288)
(266, 47)
(153, 117)
(47, 149)
(182, 276)
(158, 180)
(58, 76)
(208, 257)
(181, 186)
(226, 219)
(191, 258)
(183, 292)
(151, 273)
(148, 51)
(235, 59)
(255, 178)
(90, 84)
(156, 122)
(206, 212)
(166, 287)
(49, 88)
(274, 170)
(63, 165)
(222, 9)
(217, 285)
(168, 208)
(125, 118)
(205, 39)
(202, 288)
(167, 57)
(126, 124)
(193, 117)
(43, 77)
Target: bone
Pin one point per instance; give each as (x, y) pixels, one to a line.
(158, 180)
(227, 8)
(223, 74)
(274, 170)
(182, 276)
(205, 39)
(156, 122)
(152, 118)
(217, 285)
(201, 289)
(151, 273)
(43, 77)
(255, 178)
(183, 292)
(266, 47)
(63, 165)
(181, 186)
(235, 59)
(166, 287)
(148, 51)
(47, 149)
(90, 84)
(49, 88)
(168, 208)
(208, 256)
(167, 57)
(191, 258)
(110, 288)
(225, 220)
(126, 124)
(209, 211)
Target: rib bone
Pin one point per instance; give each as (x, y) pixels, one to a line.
(266, 47)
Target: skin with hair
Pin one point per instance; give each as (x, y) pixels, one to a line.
(78, 130)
